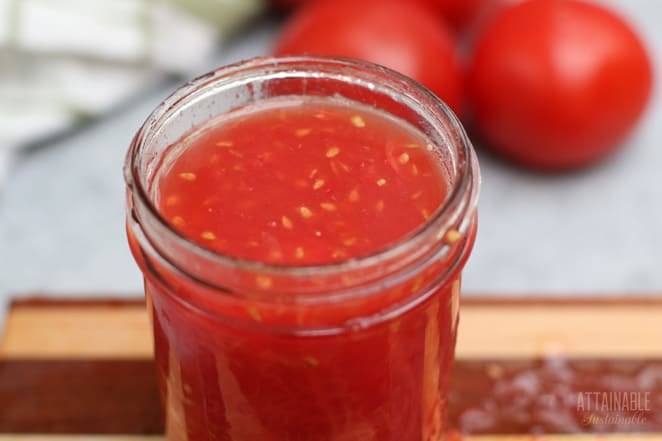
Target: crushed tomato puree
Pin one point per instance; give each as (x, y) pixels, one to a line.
(303, 182)
(308, 183)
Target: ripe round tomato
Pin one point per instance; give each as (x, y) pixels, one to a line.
(393, 33)
(557, 84)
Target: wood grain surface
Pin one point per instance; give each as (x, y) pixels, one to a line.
(510, 328)
(83, 370)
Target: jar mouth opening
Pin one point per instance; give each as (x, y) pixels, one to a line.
(443, 218)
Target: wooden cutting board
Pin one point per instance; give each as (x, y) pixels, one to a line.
(83, 370)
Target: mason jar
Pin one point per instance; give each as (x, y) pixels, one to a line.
(359, 349)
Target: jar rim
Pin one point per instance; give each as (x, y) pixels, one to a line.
(465, 184)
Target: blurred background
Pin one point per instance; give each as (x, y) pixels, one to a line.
(78, 78)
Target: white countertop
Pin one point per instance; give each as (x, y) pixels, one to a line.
(594, 232)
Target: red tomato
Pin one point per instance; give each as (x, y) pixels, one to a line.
(393, 33)
(557, 84)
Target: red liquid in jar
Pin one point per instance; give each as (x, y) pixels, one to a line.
(303, 183)
(307, 184)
